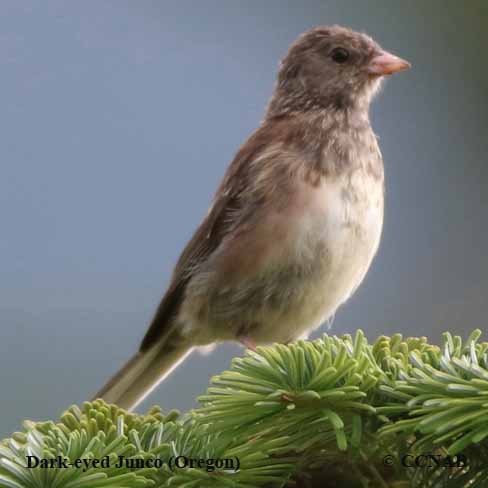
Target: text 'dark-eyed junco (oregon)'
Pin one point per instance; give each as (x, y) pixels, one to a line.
(295, 223)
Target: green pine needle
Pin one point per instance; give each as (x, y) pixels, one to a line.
(314, 413)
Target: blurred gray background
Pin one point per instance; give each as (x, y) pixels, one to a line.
(117, 120)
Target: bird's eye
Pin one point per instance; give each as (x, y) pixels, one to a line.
(339, 55)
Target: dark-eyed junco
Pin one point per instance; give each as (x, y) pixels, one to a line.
(295, 223)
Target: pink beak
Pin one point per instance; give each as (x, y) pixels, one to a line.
(385, 63)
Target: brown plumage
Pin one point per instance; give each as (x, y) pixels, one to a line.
(294, 224)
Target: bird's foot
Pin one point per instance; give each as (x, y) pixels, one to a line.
(248, 342)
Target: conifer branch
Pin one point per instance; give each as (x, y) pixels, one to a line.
(330, 412)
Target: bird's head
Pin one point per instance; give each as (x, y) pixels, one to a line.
(332, 67)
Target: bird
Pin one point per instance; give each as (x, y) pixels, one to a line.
(294, 224)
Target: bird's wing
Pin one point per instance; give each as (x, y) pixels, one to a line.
(234, 204)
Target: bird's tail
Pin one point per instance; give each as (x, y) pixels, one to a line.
(143, 372)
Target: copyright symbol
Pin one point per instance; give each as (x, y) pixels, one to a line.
(388, 460)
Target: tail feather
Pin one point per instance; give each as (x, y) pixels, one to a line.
(142, 373)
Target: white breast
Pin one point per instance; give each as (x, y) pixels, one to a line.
(301, 263)
(353, 222)
(340, 232)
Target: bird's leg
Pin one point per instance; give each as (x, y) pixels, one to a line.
(247, 342)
